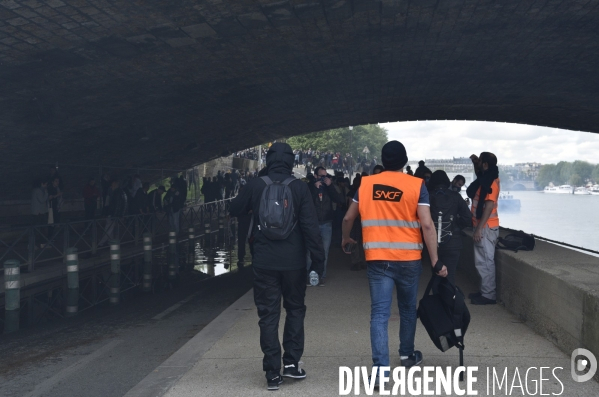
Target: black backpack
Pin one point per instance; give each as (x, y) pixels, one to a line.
(443, 209)
(276, 213)
(517, 241)
(444, 315)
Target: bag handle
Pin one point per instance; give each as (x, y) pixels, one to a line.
(432, 284)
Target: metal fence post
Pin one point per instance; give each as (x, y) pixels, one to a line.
(31, 250)
(147, 277)
(172, 266)
(137, 224)
(207, 221)
(191, 245)
(72, 282)
(115, 270)
(12, 295)
(94, 228)
(66, 231)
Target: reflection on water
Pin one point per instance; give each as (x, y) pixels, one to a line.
(216, 255)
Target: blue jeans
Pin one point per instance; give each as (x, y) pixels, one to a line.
(326, 232)
(382, 277)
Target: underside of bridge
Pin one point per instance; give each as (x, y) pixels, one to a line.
(172, 83)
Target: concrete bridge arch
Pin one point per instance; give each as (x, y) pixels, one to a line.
(166, 84)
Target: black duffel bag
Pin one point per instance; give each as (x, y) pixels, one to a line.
(444, 315)
(517, 241)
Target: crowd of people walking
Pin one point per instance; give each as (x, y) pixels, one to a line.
(387, 219)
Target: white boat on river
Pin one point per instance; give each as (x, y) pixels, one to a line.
(563, 189)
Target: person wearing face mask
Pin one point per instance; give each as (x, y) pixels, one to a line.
(457, 183)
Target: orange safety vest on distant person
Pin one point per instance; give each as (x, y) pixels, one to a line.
(493, 196)
(388, 204)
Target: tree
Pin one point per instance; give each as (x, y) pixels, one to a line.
(576, 173)
(563, 172)
(582, 169)
(595, 174)
(546, 175)
(338, 140)
(575, 180)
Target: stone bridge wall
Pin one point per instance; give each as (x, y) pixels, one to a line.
(552, 289)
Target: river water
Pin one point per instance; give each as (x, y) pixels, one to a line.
(563, 217)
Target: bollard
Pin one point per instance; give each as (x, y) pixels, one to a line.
(172, 266)
(72, 282)
(12, 295)
(191, 245)
(147, 284)
(207, 226)
(115, 272)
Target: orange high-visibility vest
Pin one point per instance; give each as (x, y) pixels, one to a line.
(493, 196)
(388, 204)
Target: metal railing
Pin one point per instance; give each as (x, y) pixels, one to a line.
(43, 245)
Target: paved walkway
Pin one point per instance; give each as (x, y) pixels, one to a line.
(225, 358)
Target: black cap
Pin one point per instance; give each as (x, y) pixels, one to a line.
(394, 155)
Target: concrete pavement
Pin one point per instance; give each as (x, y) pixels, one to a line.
(337, 334)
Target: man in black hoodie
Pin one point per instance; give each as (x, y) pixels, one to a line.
(280, 267)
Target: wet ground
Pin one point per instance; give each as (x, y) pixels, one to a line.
(105, 350)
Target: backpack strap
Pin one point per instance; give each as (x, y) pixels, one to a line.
(458, 313)
(266, 180)
(459, 307)
(287, 181)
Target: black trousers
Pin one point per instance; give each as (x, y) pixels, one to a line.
(450, 257)
(269, 285)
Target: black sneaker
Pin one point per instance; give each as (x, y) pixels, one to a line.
(294, 371)
(413, 359)
(474, 295)
(273, 384)
(481, 300)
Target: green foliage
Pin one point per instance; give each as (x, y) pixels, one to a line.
(576, 173)
(575, 180)
(595, 174)
(338, 140)
(546, 175)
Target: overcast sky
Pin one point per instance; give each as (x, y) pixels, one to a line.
(512, 143)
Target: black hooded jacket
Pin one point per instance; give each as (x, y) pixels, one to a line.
(288, 254)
